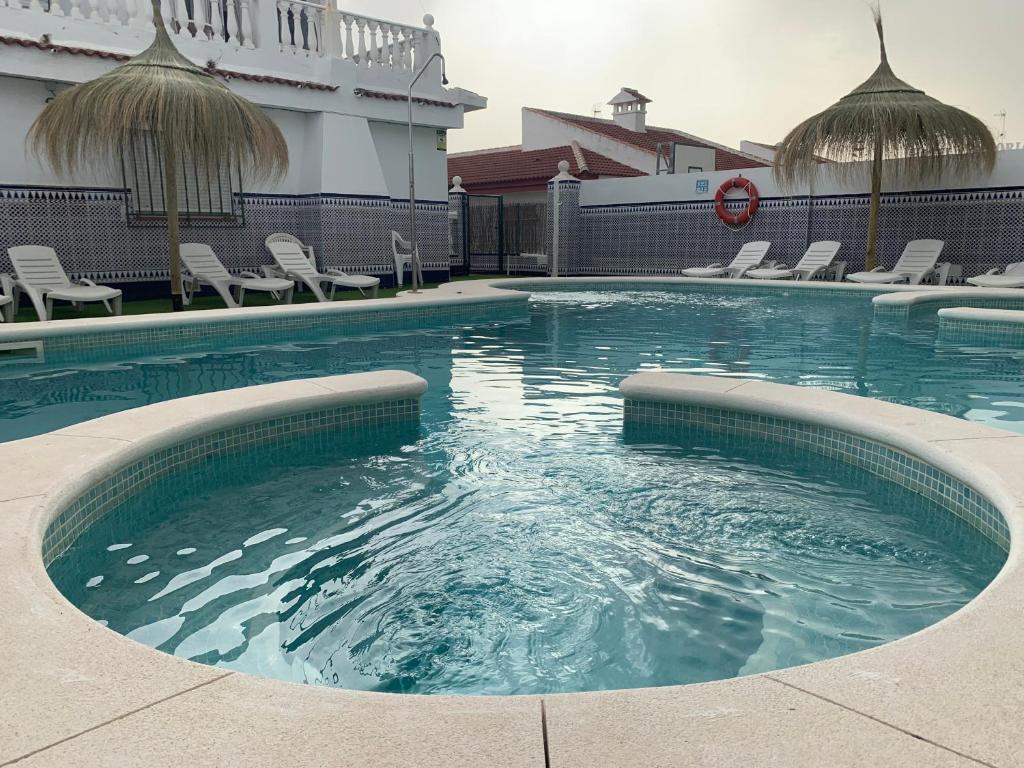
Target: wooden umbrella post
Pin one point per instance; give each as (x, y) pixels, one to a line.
(173, 237)
(871, 258)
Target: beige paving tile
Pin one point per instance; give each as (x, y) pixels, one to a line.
(61, 672)
(37, 465)
(923, 425)
(748, 723)
(959, 682)
(248, 721)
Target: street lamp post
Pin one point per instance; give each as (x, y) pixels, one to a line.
(412, 174)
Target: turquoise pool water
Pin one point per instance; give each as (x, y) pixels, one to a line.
(518, 541)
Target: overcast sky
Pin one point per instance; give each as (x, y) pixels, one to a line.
(743, 69)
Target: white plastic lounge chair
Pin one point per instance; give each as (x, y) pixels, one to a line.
(402, 249)
(41, 277)
(285, 237)
(204, 268)
(915, 264)
(749, 256)
(294, 264)
(7, 308)
(816, 259)
(1011, 277)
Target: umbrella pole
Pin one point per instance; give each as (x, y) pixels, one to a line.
(173, 237)
(871, 259)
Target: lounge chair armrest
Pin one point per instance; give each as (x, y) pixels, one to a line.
(716, 266)
(336, 272)
(271, 270)
(247, 273)
(993, 271)
(879, 269)
(85, 281)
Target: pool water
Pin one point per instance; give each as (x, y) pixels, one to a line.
(518, 541)
(439, 561)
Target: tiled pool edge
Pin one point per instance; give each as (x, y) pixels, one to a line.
(114, 489)
(88, 338)
(878, 458)
(83, 695)
(900, 304)
(981, 326)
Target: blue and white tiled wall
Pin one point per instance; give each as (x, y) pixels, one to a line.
(982, 229)
(89, 231)
(572, 256)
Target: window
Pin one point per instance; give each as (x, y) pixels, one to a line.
(210, 196)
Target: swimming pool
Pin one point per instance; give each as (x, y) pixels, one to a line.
(570, 350)
(522, 447)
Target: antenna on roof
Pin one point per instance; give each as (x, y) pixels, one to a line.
(1001, 137)
(597, 108)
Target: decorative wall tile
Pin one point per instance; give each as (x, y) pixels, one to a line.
(982, 229)
(89, 230)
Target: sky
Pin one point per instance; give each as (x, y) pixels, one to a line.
(725, 71)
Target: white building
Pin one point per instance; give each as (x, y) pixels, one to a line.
(334, 82)
(595, 148)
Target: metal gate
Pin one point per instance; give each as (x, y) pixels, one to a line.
(484, 235)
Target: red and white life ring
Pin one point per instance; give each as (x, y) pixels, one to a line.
(737, 219)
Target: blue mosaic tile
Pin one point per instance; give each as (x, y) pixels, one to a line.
(881, 460)
(97, 501)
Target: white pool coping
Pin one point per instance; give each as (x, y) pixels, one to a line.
(76, 693)
(1011, 317)
(921, 296)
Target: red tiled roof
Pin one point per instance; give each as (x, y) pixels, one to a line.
(725, 159)
(514, 165)
(45, 45)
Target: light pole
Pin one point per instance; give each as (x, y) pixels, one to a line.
(412, 176)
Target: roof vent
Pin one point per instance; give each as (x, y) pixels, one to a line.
(629, 109)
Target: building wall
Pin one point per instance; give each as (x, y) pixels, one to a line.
(663, 224)
(391, 142)
(345, 190)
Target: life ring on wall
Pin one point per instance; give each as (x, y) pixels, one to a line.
(737, 219)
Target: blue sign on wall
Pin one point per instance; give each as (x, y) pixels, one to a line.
(702, 186)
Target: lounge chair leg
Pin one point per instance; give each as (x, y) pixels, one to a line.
(107, 305)
(48, 315)
(117, 305)
(288, 294)
(374, 294)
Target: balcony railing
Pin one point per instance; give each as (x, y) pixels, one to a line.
(297, 27)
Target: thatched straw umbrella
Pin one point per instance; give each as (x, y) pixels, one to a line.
(920, 137)
(190, 113)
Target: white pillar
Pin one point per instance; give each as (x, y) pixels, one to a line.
(556, 201)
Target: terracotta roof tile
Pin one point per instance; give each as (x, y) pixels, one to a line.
(46, 45)
(539, 165)
(725, 158)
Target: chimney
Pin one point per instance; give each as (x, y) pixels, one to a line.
(629, 109)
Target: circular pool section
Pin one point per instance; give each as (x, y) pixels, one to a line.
(452, 560)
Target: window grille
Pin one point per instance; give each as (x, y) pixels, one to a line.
(206, 196)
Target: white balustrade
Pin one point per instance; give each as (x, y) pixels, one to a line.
(310, 28)
(378, 44)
